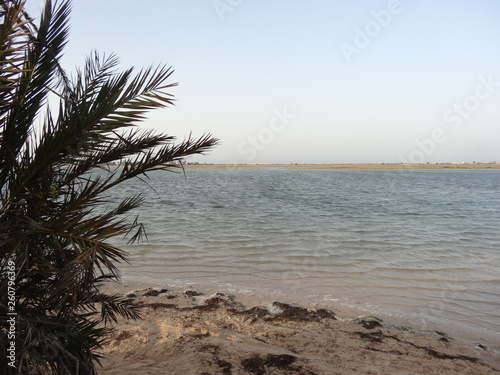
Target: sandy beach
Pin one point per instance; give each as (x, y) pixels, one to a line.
(188, 332)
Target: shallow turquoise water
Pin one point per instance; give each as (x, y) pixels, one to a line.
(418, 244)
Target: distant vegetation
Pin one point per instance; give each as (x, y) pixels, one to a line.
(56, 227)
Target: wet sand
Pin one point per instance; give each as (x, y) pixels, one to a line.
(187, 332)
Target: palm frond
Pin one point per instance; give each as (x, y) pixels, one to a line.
(39, 68)
(57, 222)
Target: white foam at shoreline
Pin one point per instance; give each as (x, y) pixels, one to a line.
(344, 308)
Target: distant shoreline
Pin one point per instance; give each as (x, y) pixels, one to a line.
(354, 166)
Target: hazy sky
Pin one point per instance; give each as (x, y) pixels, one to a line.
(313, 81)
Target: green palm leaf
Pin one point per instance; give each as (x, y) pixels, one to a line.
(52, 222)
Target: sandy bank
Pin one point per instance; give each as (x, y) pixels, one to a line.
(193, 334)
(353, 166)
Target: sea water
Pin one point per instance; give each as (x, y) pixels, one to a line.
(420, 244)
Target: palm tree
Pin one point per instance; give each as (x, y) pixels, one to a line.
(56, 240)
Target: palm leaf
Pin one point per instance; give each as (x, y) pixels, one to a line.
(57, 222)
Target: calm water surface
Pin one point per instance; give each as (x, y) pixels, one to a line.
(424, 245)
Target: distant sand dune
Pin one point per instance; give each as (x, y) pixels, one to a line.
(383, 166)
